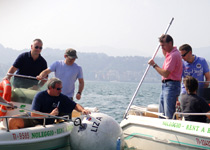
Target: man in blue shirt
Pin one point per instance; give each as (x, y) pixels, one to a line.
(194, 66)
(51, 102)
(28, 64)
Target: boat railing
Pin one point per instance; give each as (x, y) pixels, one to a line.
(193, 114)
(142, 110)
(24, 76)
(65, 118)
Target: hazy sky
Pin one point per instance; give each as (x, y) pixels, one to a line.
(114, 27)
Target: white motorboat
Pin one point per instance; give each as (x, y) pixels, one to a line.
(143, 130)
(95, 131)
(40, 137)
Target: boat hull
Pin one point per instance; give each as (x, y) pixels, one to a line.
(148, 133)
(54, 136)
(60, 143)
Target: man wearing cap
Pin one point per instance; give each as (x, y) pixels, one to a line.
(194, 66)
(68, 72)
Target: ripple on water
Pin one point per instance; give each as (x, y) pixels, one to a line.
(112, 98)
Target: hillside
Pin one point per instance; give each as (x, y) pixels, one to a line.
(96, 66)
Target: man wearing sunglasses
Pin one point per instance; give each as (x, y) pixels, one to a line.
(28, 64)
(50, 101)
(68, 72)
(194, 66)
(171, 73)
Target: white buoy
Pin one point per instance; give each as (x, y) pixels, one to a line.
(99, 132)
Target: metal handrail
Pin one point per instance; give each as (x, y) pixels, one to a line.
(24, 76)
(193, 114)
(66, 117)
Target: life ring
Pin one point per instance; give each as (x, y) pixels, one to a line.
(5, 93)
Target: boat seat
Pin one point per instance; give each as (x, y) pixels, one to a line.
(136, 110)
(143, 111)
(152, 108)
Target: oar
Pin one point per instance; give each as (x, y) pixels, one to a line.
(142, 79)
(24, 76)
(36, 112)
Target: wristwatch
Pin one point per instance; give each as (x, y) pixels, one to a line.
(79, 93)
(154, 65)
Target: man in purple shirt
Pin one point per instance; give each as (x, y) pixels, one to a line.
(171, 76)
(194, 66)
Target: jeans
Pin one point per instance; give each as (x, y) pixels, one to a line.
(168, 98)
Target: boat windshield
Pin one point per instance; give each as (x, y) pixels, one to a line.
(24, 89)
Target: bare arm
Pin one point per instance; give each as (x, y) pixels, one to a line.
(79, 108)
(54, 112)
(162, 72)
(43, 74)
(81, 87)
(11, 71)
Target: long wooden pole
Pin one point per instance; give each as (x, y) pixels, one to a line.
(142, 79)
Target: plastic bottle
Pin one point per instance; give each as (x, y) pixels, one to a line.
(118, 144)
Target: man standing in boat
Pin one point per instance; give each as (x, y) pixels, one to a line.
(194, 66)
(68, 72)
(51, 102)
(28, 64)
(171, 73)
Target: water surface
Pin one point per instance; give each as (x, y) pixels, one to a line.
(112, 98)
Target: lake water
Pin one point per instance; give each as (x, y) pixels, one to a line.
(112, 98)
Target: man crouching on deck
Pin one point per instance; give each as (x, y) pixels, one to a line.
(51, 102)
(171, 73)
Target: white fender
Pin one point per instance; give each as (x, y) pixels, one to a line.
(100, 131)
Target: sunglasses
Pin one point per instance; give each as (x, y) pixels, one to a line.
(37, 47)
(185, 54)
(71, 58)
(58, 89)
